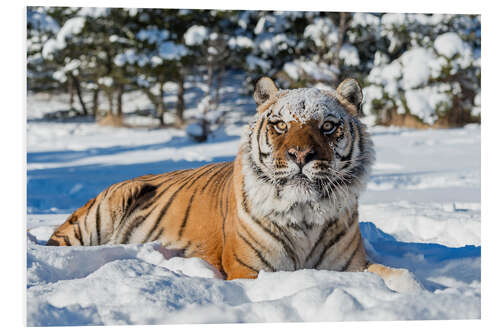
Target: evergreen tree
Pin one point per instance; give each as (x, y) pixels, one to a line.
(413, 66)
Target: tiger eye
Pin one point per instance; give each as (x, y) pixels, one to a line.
(281, 126)
(327, 126)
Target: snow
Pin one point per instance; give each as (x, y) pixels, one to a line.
(411, 76)
(394, 19)
(292, 69)
(322, 32)
(371, 93)
(172, 51)
(153, 35)
(476, 109)
(416, 68)
(194, 129)
(387, 76)
(319, 72)
(71, 27)
(365, 20)
(105, 81)
(254, 62)
(165, 50)
(72, 65)
(421, 211)
(196, 35)
(59, 75)
(349, 54)
(271, 44)
(449, 44)
(50, 47)
(374, 92)
(274, 24)
(41, 21)
(129, 56)
(451, 224)
(240, 42)
(94, 11)
(426, 101)
(259, 27)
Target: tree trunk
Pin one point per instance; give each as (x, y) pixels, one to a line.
(152, 98)
(76, 83)
(210, 76)
(110, 101)
(210, 80)
(179, 110)
(71, 93)
(341, 32)
(218, 83)
(95, 102)
(161, 105)
(119, 100)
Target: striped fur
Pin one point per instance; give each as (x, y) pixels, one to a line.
(287, 202)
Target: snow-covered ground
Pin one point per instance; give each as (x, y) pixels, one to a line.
(421, 211)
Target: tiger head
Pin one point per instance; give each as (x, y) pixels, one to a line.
(309, 143)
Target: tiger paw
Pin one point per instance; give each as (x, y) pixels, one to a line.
(398, 279)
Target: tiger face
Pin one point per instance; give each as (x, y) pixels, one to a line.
(309, 143)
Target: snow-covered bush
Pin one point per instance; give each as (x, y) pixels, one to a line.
(433, 80)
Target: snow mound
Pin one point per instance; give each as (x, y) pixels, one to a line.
(451, 224)
(142, 284)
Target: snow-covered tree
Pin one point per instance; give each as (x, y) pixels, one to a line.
(270, 40)
(421, 67)
(65, 51)
(154, 56)
(41, 26)
(211, 40)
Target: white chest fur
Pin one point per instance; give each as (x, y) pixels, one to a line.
(290, 221)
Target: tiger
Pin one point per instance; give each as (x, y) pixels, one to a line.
(288, 201)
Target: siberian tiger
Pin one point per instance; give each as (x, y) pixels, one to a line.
(288, 201)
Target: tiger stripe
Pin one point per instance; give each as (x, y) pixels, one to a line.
(321, 236)
(241, 262)
(186, 216)
(268, 231)
(169, 202)
(257, 252)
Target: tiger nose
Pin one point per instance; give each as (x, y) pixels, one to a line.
(301, 156)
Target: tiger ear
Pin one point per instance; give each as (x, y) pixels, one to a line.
(350, 90)
(264, 89)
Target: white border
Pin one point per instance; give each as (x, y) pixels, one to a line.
(13, 84)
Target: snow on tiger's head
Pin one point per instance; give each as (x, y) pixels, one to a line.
(309, 141)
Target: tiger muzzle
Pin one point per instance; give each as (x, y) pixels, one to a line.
(301, 156)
